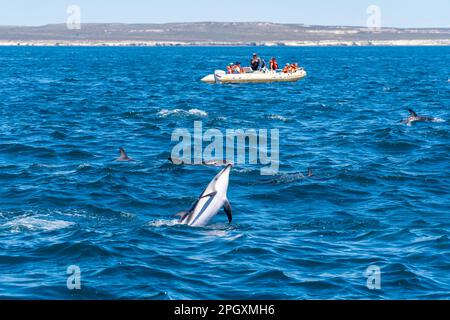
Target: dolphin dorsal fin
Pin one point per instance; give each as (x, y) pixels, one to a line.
(123, 154)
(412, 112)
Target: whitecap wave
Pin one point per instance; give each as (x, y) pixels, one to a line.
(127, 215)
(198, 112)
(36, 224)
(164, 113)
(277, 117)
(84, 165)
(64, 173)
(283, 178)
(245, 170)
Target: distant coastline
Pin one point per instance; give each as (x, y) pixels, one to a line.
(219, 34)
(328, 43)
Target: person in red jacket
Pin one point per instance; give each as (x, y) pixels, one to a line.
(230, 68)
(273, 64)
(238, 68)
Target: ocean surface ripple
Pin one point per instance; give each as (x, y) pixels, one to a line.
(379, 195)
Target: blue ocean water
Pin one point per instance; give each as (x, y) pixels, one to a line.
(379, 196)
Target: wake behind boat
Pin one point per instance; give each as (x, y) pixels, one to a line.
(257, 73)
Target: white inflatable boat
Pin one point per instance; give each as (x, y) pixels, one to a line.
(221, 76)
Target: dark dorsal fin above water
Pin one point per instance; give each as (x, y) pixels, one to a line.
(123, 155)
(412, 112)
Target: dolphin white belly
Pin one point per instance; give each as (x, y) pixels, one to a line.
(210, 209)
(210, 202)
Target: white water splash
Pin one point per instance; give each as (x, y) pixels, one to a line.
(163, 223)
(226, 235)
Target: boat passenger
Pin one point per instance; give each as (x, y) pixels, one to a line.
(255, 62)
(273, 64)
(287, 68)
(237, 68)
(230, 68)
(263, 65)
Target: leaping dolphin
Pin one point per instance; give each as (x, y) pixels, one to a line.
(413, 117)
(210, 202)
(123, 156)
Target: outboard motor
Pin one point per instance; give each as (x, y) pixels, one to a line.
(218, 74)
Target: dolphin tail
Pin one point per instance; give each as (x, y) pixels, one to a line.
(182, 215)
(228, 211)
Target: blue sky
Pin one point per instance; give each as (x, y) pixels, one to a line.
(396, 13)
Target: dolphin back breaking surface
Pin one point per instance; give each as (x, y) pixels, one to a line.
(414, 117)
(210, 202)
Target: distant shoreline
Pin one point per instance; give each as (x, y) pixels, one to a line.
(210, 34)
(321, 43)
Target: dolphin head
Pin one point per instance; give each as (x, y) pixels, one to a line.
(222, 179)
